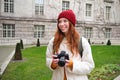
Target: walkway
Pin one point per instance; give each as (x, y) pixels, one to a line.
(117, 78)
(6, 53)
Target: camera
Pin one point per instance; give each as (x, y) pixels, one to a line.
(62, 57)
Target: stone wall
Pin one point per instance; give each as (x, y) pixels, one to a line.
(24, 19)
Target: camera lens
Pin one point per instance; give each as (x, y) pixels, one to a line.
(61, 61)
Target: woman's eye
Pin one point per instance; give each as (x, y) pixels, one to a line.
(60, 21)
(65, 21)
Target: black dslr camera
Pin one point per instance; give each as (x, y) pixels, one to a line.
(62, 56)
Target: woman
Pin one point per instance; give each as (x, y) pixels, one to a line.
(67, 39)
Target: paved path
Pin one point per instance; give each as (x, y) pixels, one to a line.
(6, 53)
(117, 78)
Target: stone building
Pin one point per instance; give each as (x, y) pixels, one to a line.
(97, 20)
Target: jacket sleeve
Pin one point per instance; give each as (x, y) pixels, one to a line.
(49, 54)
(86, 64)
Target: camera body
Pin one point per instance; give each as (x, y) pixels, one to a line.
(62, 57)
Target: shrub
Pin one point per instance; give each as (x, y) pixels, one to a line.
(38, 43)
(18, 55)
(0, 76)
(21, 44)
(109, 42)
(106, 72)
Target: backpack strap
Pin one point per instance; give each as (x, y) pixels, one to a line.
(80, 47)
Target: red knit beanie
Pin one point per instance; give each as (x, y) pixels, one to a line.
(68, 14)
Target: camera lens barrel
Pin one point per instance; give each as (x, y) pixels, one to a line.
(61, 61)
(62, 57)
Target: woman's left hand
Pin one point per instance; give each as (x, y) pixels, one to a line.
(69, 63)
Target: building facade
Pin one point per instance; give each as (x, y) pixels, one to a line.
(97, 20)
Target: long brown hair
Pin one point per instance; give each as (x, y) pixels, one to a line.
(72, 39)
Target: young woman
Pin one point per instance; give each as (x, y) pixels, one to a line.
(67, 39)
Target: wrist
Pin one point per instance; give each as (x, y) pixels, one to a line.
(70, 64)
(54, 65)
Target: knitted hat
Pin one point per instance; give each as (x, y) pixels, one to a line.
(68, 14)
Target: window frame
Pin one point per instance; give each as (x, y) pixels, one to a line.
(108, 12)
(65, 5)
(9, 6)
(88, 13)
(108, 32)
(38, 33)
(8, 30)
(88, 32)
(39, 7)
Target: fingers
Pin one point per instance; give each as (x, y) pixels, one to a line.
(67, 62)
(54, 56)
(55, 60)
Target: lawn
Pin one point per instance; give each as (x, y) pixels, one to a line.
(33, 66)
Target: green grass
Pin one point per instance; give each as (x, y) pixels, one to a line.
(106, 55)
(33, 65)
(107, 62)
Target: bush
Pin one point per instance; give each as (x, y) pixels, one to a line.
(38, 43)
(18, 55)
(0, 76)
(109, 42)
(21, 44)
(106, 72)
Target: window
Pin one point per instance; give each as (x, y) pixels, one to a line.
(108, 10)
(39, 7)
(108, 32)
(65, 5)
(39, 31)
(88, 32)
(9, 6)
(8, 30)
(88, 10)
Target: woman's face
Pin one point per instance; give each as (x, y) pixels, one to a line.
(63, 25)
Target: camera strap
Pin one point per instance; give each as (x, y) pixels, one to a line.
(80, 47)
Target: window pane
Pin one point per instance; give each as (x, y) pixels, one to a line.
(108, 32)
(8, 33)
(65, 5)
(108, 10)
(9, 6)
(4, 33)
(13, 33)
(8, 30)
(39, 31)
(11, 1)
(88, 32)
(6, 7)
(88, 9)
(39, 7)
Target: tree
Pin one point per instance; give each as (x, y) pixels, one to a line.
(38, 43)
(21, 44)
(109, 42)
(18, 54)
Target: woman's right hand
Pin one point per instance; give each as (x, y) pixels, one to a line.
(55, 59)
(54, 62)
